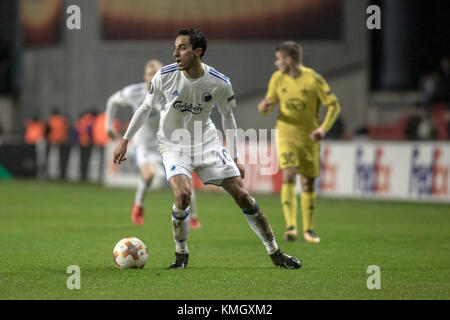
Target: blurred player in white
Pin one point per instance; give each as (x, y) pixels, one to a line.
(188, 141)
(148, 158)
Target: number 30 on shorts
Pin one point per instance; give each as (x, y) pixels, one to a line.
(287, 158)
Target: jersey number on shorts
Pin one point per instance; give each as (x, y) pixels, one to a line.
(224, 156)
(287, 158)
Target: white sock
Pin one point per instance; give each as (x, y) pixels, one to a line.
(141, 191)
(261, 227)
(180, 226)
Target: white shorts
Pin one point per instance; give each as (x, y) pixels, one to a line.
(213, 165)
(145, 154)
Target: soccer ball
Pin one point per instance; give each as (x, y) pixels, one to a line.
(130, 253)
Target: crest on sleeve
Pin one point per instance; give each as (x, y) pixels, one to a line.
(151, 88)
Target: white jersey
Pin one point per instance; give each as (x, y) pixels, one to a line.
(133, 96)
(186, 105)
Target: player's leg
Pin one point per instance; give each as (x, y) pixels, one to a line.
(147, 171)
(181, 187)
(258, 222)
(289, 202)
(309, 169)
(308, 204)
(194, 221)
(288, 159)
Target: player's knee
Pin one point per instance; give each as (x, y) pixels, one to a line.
(289, 176)
(308, 185)
(147, 173)
(183, 199)
(147, 178)
(289, 179)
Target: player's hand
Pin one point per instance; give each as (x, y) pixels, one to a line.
(317, 134)
(265, 106)
(240, 168)
(120, 152)
(113, 135)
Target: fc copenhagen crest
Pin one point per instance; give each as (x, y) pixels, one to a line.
(206, 97)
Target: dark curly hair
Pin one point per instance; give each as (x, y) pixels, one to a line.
(196, 39)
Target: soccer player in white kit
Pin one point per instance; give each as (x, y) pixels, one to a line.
(148, 158)
(188, 141)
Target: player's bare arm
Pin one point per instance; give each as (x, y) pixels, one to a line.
(120, 152)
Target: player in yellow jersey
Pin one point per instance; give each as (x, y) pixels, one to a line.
(300, 91)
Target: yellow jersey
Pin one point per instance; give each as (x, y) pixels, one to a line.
(300, 100)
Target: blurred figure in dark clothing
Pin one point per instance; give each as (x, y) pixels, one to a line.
(35, 135)
(84, 129)
(420, 125)
(437, 86)
(5, 66)
(362, 133)
(413, 124)
(436, 89)
(57, 137)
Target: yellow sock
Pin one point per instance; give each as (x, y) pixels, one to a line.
(308, 203)
(289, 204)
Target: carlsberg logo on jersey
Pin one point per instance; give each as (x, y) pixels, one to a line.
(184, 106)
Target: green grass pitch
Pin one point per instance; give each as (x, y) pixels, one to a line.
(45, 227)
